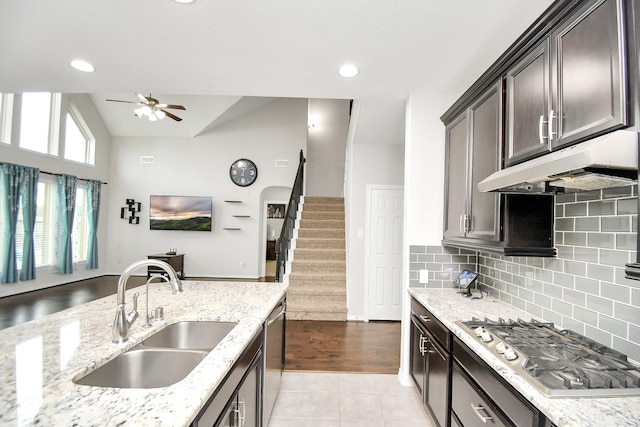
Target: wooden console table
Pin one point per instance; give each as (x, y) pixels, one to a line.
(174, 260)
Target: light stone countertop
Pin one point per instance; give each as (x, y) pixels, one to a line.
(449, 307)
(39, 359)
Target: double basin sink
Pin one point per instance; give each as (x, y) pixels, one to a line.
(161, 360)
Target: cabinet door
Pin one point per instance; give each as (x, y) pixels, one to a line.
(528, 104)
(589, 76)
(249, 397)
(417, 356)
(456, 181)
(485, 146)
(437, 389)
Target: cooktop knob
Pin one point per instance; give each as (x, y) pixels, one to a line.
(510, 354)
(501, 348)
(486, 336)
(479, 331)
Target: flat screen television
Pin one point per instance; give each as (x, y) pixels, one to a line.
(187, 213)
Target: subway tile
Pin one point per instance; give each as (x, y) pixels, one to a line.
(573, 325)
(627, 313)
(525, 295)
(598, 335)
(559, 210)
(552, 290)
(534, 309)
(602, 207)
(566, 224)
(414, 283)
(588, 286)
(518, 303)
(573, 238)
(601, 305)
(575, 268)
(558, 238)
(616, 192)
(444, 258)
(589, 317)
(566, 197)
(601, 240)
(634, 333)
(535, 261)
(564, 280)
(609, 324)
(588, 195)
(627, 207)
(574, 297)
(432, 266)
(586, 254)
(626, 241)
(505, 297)
(413, 258)
(601, 272)
(615, 292)
(542, 300)
(544, 275)
(587, 224)
(576, 209)
(416, 266)
(413, 275)
(561, 307)
(551, 316)
(565, 251)
(634, 224)
(425, 257)
(450, 250)
(554, 264)
(434, 249)
(417, 249)
(630, 349)
(615, 223)
(620, 279)
(536, 286)
(614, 258)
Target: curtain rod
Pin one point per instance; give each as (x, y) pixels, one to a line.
(59, 174)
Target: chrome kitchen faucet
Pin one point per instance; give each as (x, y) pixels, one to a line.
(123, 321)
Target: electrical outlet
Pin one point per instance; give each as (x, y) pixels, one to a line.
(424, 276)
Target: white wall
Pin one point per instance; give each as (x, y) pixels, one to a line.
(46, 276)
(372, 160)
(324, 171)
(200, 166)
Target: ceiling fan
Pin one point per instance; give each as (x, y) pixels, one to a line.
(152, 108)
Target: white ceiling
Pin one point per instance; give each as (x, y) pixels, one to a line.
(209, 55)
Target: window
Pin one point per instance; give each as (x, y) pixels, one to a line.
(39, 122)
(79, 144)
(45, 236)
(6, 110)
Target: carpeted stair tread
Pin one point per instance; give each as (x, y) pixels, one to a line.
(311, 243)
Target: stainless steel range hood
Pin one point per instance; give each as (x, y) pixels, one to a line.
(609, 160)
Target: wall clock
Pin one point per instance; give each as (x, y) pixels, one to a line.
(243, 172)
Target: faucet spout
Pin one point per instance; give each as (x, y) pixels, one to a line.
(122, 322)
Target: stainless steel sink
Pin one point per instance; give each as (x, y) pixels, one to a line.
(145, 368)
(192, 335)
(164, 358)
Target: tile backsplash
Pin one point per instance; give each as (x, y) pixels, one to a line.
(582, 289)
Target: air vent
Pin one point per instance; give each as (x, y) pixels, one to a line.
(282, 163)
(146, 160)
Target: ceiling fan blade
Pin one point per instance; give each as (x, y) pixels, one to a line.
(173, 116)
(142, 98)
(175, 107)
(119, 100)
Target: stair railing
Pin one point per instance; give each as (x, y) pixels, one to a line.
(283, 244)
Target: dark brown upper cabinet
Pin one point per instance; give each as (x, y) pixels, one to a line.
(571, 86)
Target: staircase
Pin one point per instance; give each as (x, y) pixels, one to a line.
(317, 278)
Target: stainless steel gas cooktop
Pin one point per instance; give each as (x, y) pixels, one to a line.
(557, 363)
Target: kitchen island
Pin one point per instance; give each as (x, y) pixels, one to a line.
(41, 358)
(448, 307)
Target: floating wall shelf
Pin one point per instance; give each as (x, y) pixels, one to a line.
(232, 228)
(233, 201)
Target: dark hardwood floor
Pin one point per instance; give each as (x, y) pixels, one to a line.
(364, 347)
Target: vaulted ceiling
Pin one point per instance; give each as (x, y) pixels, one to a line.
(211, 54)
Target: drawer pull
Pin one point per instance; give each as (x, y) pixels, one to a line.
(424, 343)
(425, 318)
(477, 409)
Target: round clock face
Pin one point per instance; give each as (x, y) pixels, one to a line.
(243, 172)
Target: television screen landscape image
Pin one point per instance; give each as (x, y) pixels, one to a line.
(187, 213)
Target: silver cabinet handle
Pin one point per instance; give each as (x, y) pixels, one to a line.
(541, 124)
(551, 133)
(425, 318)
(460, 226)
(424, 341)
(466, 224)
(242, 413)
(477, 409)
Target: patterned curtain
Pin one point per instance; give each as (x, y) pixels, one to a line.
(28, 200)
(67, 185)
(93, 211)
(14, 181)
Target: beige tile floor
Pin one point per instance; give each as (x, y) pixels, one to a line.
(308, 399)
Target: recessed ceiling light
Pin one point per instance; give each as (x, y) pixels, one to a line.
(81, 65)
(348, 70)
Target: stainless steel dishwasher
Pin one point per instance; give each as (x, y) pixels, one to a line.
(274, 357)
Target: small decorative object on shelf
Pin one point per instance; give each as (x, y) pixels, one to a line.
(275, 210)
(172, 251)
(130, 210)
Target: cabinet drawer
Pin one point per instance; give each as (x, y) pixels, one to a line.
(471, 407)
(433, 325)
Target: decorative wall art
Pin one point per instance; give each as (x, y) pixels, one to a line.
(187, 213)
(129, 211)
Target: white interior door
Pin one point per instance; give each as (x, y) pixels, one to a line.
(385, 253)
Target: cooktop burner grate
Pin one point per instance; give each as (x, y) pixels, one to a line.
(559, 363)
